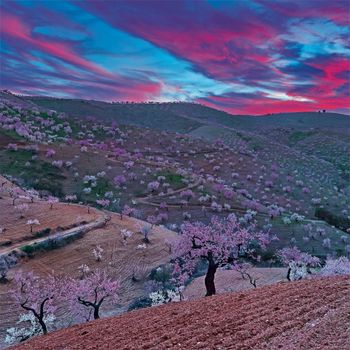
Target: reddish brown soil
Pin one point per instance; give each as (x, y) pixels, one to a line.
(301, 315)
(61, 215)
(232, 281)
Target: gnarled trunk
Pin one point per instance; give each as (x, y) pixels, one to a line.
(43, 325)
(96, 312)
(209, 279)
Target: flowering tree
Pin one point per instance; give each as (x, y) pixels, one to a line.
(14, 194)
(31, 223)
(38, 296)
(88, 295)
(32, 194)
(128, 211)
(50, 153)
(146, 230)
(188, 194)
(220, 243)
(164, 296)
(299, 263)
(119, 180)
(103, 202)
(153, 186)
(22, 209)
(31, 329)
(340, 266)
(52, 200)
(97, 253)
(84, 270)
(70, 197)
(126, 234)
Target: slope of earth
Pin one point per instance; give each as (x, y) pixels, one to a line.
(154, 116)
(127, 263)
(14, 224)
(184, 117)
(300, 315)
(321, 165)
(232, 281)
(122, 161)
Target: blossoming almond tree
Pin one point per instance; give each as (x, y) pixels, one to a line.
(333, 267)
(31, 223)
(298, 262)
(38, 296)
(88, 295)
(220, 243)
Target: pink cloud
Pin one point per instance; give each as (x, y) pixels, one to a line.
(12, 26)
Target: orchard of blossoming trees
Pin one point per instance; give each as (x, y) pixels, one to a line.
(133, 216)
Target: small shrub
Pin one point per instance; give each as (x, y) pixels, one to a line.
(140, 303)
(42, 233)
(28, 249)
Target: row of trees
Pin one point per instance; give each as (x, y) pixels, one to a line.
(42, 297)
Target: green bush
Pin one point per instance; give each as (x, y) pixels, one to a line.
(28, 249)
(140, 303)
(42, 233)
(341, 222)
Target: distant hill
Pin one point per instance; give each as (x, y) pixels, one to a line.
(186, 117)
(162, 116)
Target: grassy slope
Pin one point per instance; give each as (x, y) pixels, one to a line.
(185, 117)
(158, 117)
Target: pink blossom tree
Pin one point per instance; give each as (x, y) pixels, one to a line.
(128, 211)
(52, 200)
(298, 262)
(153, 186)
(15, 194)
(39, 296)
(50, 153)
(31, 223)
(88, 295)
(22, 209)
(104, 203)
(334, 267)
(119, 180)
(220, 243)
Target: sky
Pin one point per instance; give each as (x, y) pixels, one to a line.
(241, 56)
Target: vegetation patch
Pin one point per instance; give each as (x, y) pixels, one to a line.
(341, 222)
(32, 172)
(299, 136)
(175, 180)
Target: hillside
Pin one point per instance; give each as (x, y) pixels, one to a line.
(89, 229)
(185, 117)
(301, 315)
(154, 116)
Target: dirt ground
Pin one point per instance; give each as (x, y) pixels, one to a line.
(312, 314)
(16, 228)
(231, 281)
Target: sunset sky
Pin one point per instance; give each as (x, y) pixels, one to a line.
(242, 56)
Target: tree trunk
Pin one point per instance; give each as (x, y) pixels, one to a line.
(43, 325)
(96, 312)
(209, 280)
